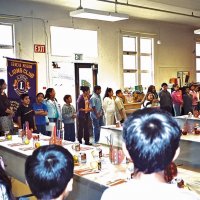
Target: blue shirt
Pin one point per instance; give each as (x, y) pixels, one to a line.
(39, 119)
(95, 101)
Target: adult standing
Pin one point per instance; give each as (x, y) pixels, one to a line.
(109, 107)
(83, 114)
(165, 98)
(6, 112)
(53, 108)
(97, 112)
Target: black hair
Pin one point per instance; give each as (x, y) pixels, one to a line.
(84, 88)
(6, 182)
(2, 81)
(66, 97)
(48, 171)
(152, 137)
(22, 96)
(107, 91)
(118, 92)
(47, 95)
(40, 93)
(164, 84)
(96, 87)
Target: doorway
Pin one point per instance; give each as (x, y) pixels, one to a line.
(85, 75)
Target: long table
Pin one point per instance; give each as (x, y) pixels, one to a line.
(189, 144)
(87, 186)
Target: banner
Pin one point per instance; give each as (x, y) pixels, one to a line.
(22, 78)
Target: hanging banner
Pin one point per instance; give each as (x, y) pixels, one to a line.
(22, 78)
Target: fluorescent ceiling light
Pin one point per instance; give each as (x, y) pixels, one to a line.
(197, 31)
(98, 15)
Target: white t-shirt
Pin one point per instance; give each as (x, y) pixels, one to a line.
(138, 190)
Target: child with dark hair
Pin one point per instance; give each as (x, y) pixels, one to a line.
(68, 116)
(177, 99)
(25, 113)
(96, 114)
(40, 112)
(109, 107)
(121, 113)
(83, 114)
(49, 172)
(151, 140)
(187, 100)
(165, 98)
(5, 184)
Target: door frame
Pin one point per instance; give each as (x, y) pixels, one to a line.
(94, 75)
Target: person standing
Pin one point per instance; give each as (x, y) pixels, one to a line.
(109, 107)
(53, 108)
(177, 100)
(194, 97)
(40, 112)
(121, 113)
(25, 113)
(165, 98)
(96, 114)
(83, 114)
(187, 101)
(6, 112)
(68, 116)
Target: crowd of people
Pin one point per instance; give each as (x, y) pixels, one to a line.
(46, 110)
(90, 109)
(178, 101)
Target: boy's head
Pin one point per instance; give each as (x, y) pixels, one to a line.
(49, 172)
(164, 86)
(40, 97)
(119, 93)
(25, 99)
(97, 89)
(152, 138)
(67, 98)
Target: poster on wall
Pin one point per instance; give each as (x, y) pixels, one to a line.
(22, 78)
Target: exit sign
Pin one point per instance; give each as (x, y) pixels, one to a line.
(39, 48)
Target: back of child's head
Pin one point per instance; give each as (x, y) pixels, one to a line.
(48, 171)
(152, 137)
(66, 97)
(84, 88)
(22, 96)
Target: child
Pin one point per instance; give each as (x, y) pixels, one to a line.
(187, 100)
(26, 113)
(40, 113)
(68, 116)
(177, 100)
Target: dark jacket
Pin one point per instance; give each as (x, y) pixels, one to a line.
(81, 104)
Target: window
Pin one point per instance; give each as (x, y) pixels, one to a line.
(68, 41)
(138, 62)
(6, 47)
(198, 61)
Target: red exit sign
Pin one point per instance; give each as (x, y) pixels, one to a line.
(39, 48)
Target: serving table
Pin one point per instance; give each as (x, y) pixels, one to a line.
(89, 184)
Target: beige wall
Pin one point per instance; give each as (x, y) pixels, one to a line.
(174, 54)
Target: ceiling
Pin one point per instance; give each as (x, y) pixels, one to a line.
(176, 11)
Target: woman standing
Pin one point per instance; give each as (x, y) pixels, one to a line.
(109, 107)
(83, 115)
(6, 112)
(53, 108)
